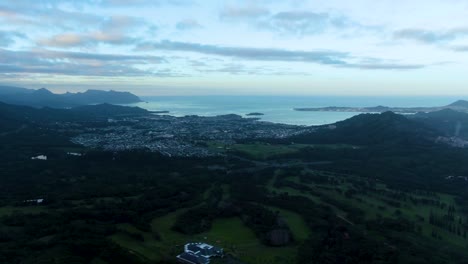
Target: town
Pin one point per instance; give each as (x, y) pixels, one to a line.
(180, 136)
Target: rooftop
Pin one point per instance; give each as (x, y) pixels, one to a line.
(199, 253)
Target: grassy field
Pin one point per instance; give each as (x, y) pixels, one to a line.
(8, 210)
(264, 151)
(238, 240)
(257, 150)
(148, 249)
(375, 206)
(295, 222)
(228, 233)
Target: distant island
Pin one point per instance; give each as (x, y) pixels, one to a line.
(45, 98)
(255, 114)
(460, 105)
(159, 112)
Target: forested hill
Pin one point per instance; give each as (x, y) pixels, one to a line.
(368, 129)
(448, 122)
(460, 103)
(14, 116)
(45, 98)
(47, 128)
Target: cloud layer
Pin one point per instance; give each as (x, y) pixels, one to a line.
(334, 43)
(325, 57)
(432, 36)
(75, 63)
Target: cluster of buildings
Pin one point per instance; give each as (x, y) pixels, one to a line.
(199, 253)
(453, 141)
(178, 136)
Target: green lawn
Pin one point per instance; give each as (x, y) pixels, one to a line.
(370, 205)
(258, 150)
(295, 222)
(264, 150)
(8, 210)
(232, 235)
(149, 249)
(237, 239)
(228, 233)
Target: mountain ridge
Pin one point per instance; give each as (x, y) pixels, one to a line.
(45, 98)
(367, 129)
(14, 116)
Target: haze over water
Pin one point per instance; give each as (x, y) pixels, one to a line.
(281, 109)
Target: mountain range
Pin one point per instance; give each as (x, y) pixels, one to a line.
(45, 98)
(15, 116)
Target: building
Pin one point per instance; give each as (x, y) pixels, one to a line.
(40, 157)
(199, 253)
(34, 201)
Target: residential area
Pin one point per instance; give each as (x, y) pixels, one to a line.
(180, 136)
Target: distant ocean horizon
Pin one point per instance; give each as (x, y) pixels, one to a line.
(280, 109)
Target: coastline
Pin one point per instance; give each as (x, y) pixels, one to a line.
(281, 109)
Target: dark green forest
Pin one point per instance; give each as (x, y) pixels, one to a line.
(394, 197)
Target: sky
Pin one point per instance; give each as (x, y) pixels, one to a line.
(238, 47)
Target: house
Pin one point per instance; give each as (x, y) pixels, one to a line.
(199, 253)
(74, 154)
(40, 157)
(34, 201)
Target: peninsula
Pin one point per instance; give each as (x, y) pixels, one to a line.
(460, 106)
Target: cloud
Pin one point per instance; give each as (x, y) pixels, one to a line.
(76, 63)
(324, 57)
(231, 68)
(11, 17)
(40, 15)
(113, 3)
(8, 37)
(311, 23)
(431, 36)
(55, 17)
(250, 12)
(122, 23)
(299, 23)
(460, 48)
(260, 54)
(385, 66)
(293, 22)
(20, 4)
(188, 24)
(113, 30)
(66, 40)
(241, 69)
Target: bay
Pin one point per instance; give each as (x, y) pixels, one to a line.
(280, 109)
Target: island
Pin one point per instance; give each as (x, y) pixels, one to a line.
(255, 114)
(157, 112)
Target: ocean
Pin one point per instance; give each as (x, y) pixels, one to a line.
(280, 109)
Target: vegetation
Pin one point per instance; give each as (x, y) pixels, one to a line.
(268, 202)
